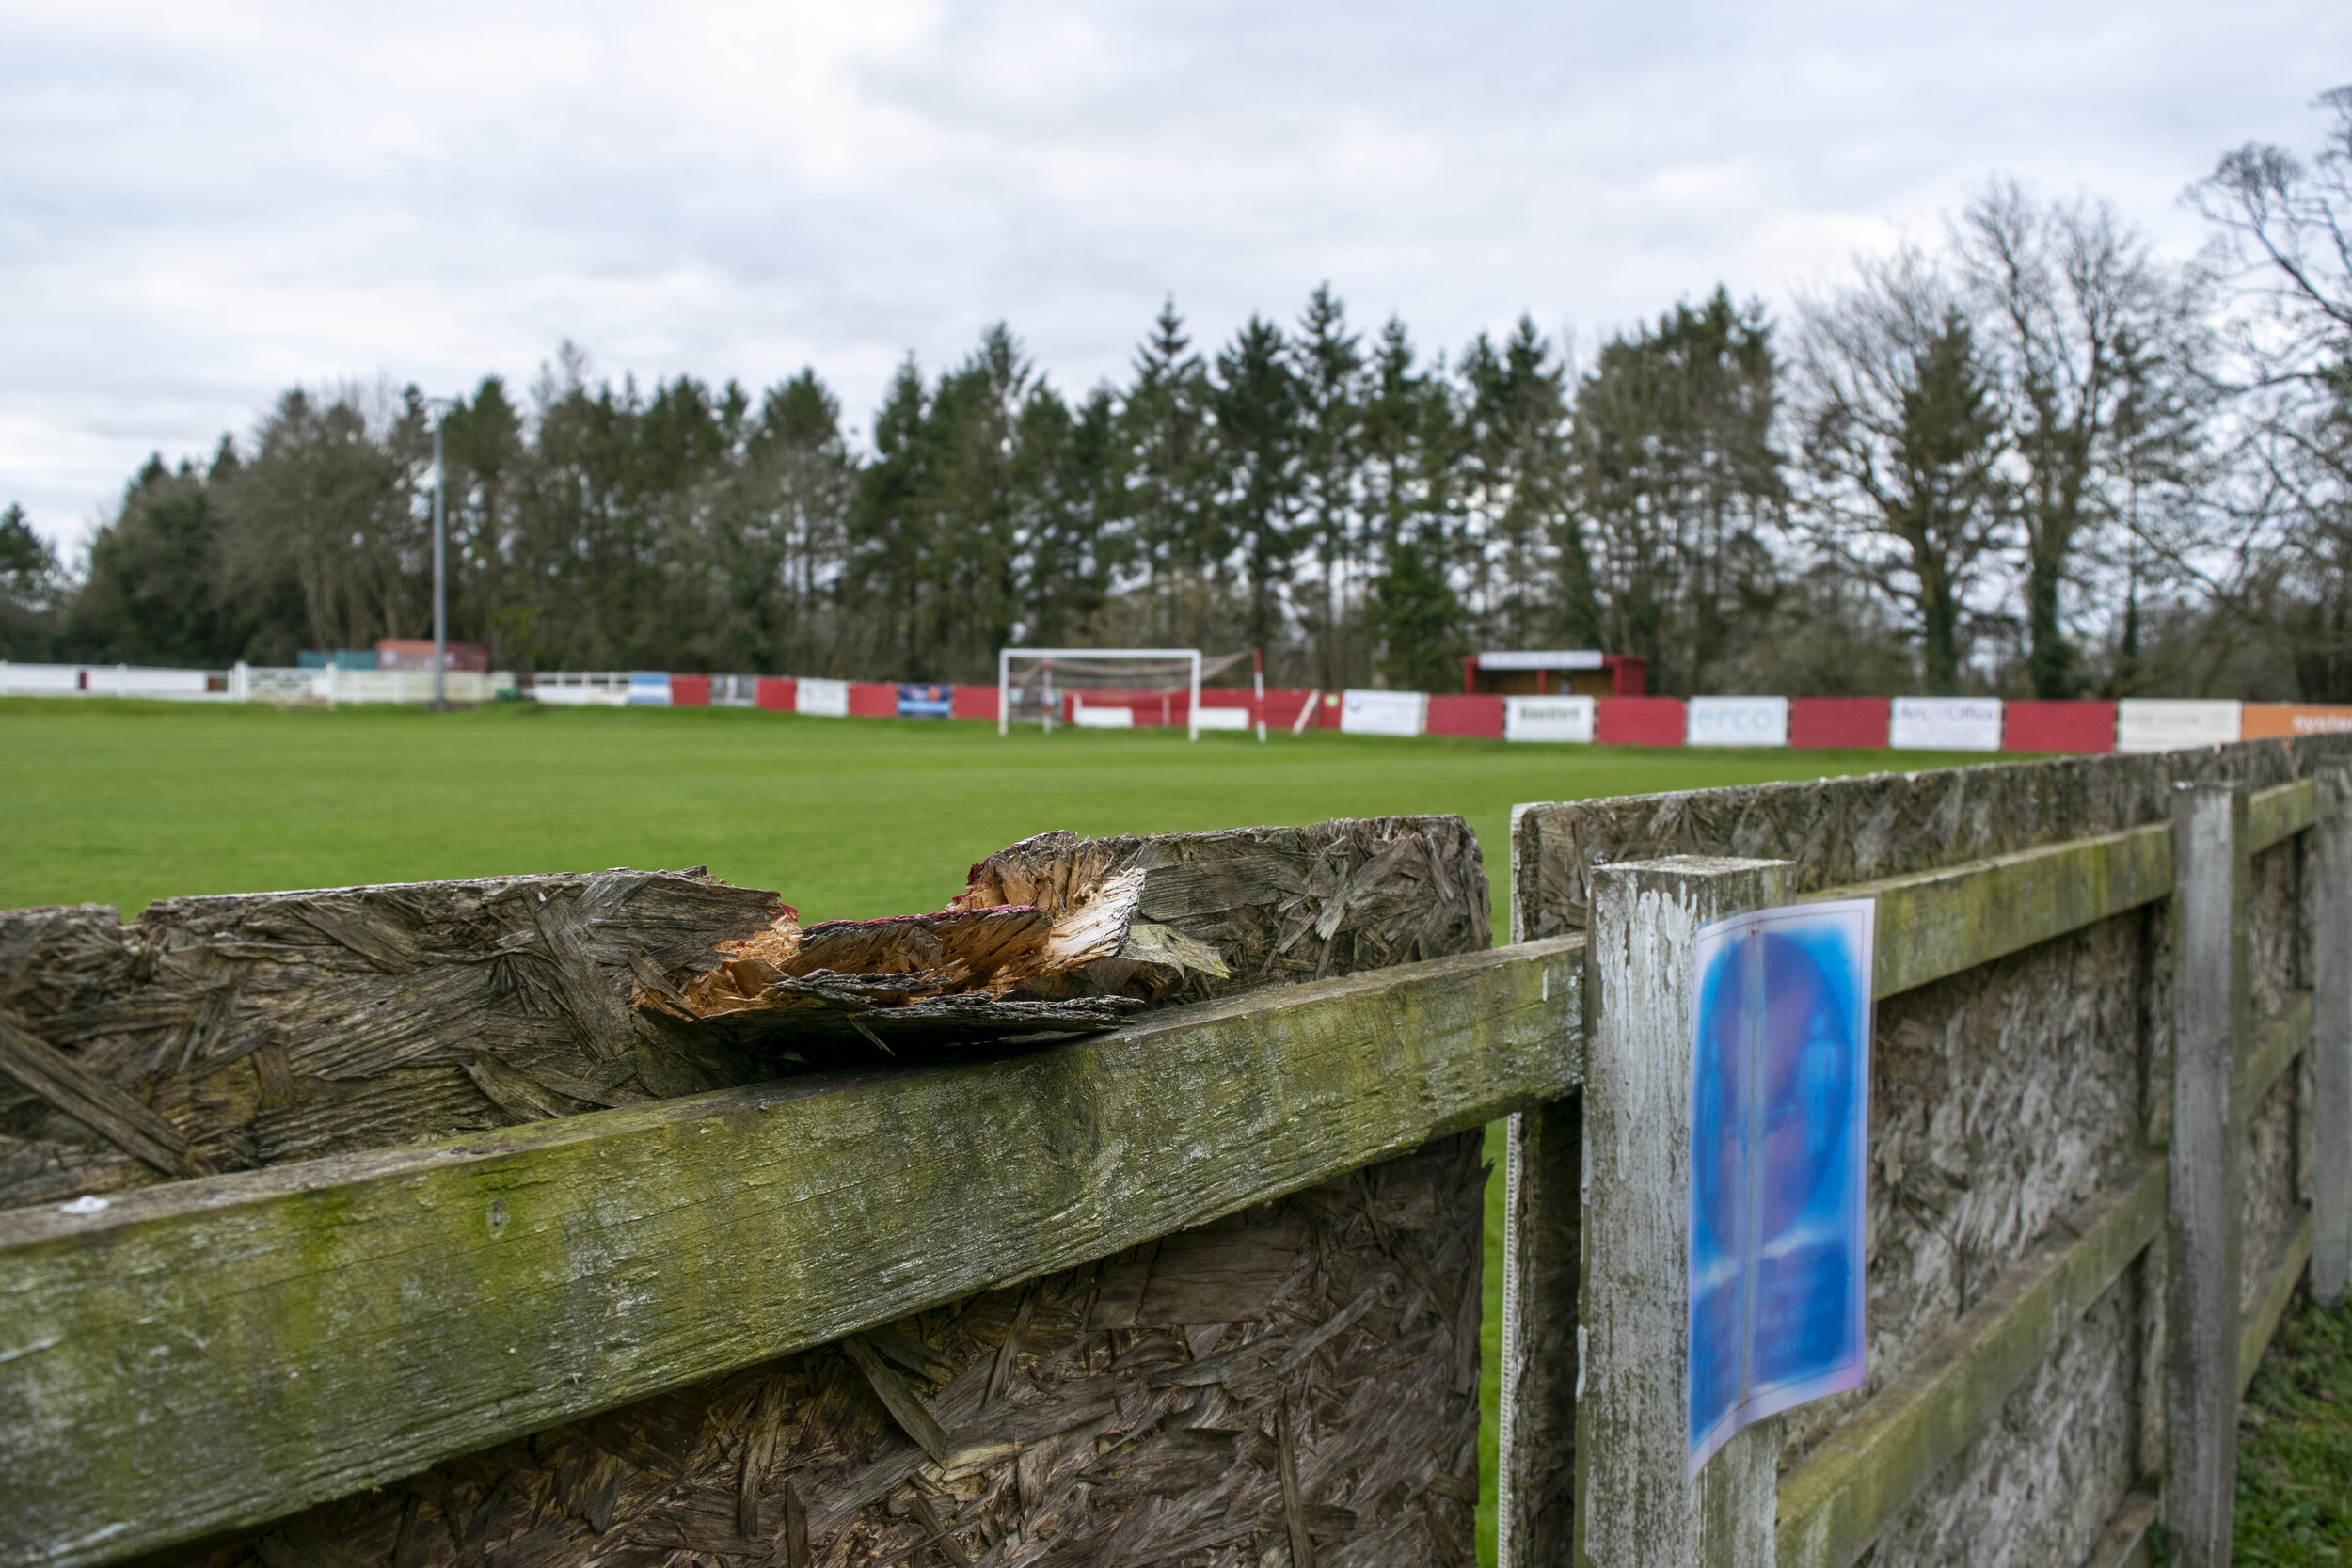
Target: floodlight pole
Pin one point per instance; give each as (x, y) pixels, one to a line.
(441, 407)
(1257, 685)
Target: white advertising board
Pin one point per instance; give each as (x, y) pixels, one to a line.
(1209, 718)
(1382, 712)
(1738, 721)
(1099, 718)
(1547, 719)
(2172, 724)
(1946, 724)
(825, 699)
(1555, 659)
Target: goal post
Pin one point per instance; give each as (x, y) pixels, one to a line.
(1104, 688)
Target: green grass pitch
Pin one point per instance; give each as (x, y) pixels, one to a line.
(123, 802)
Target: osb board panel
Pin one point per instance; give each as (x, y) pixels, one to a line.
(2273, 1204)
(2000, 1097)
(1308, 1367)
(251, 1029)
(264, 1027)
(1841, 831)
(2276, 944)
(2040, 1486)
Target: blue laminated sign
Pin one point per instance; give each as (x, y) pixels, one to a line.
(1779, 1137)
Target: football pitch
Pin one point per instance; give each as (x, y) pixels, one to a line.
(126, 802)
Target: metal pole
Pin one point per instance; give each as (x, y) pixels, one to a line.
(441, 572)
(1257, 682)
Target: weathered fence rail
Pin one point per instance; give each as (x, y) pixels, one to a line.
(2098, 1101)
(1901, 1467)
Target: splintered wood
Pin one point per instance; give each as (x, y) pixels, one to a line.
(1296, 1383)
(224, 1033)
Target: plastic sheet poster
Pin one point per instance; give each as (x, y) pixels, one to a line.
(1779, 1139)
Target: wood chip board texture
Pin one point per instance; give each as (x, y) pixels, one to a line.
(1302, 1374)
(220, 1034)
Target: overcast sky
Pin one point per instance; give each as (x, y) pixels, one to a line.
(202, 205)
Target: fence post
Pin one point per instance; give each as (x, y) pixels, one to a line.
(2207, 1161)
(1637, 1505)
(2330, 863)
(1543, 1185)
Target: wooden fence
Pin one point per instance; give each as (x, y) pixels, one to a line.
(2112, 1125)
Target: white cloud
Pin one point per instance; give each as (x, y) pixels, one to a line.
(199, 206)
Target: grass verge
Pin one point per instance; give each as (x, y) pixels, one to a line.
(2294, 1445)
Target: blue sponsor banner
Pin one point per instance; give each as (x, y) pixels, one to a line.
(649, 688)
(926, 702)
(1780, 1119)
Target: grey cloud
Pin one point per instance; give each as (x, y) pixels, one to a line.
(197, 209)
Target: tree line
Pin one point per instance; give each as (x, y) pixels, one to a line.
(2032, 458)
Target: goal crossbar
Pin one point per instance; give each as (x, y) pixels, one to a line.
(1189, 657)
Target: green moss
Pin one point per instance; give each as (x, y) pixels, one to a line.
(2294, 1445)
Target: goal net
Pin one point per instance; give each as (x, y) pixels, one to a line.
(1116, 689)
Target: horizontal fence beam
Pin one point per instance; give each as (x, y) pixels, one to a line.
(2276, 815)
(2275, 1050)
(1934, 923)
(210, 1355)
(2269, 1303)
(1841, 1496)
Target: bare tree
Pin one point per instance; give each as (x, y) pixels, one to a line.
(2282, 571)
(1903, 435)
(2094, 341)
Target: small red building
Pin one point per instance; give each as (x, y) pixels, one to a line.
(1554, 673)
(399, 653)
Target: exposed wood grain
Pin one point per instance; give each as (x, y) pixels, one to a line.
(223, 1033)
(226, 1032)
(359, 1317)
(2208, 1171)
(1637, 1503)
(61, 1081)
(1835, 1503)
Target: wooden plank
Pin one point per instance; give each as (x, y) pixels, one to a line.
(348, 1321)
(1638, 1505)
(2275, 1050)
(1543, 1235)
(1939, 923)
(2124, 1543)
(2269, 1304)
(1835, 1502)
(2276, 815)
(2204, 1240)
(2328, 875)
(1543, 1228)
